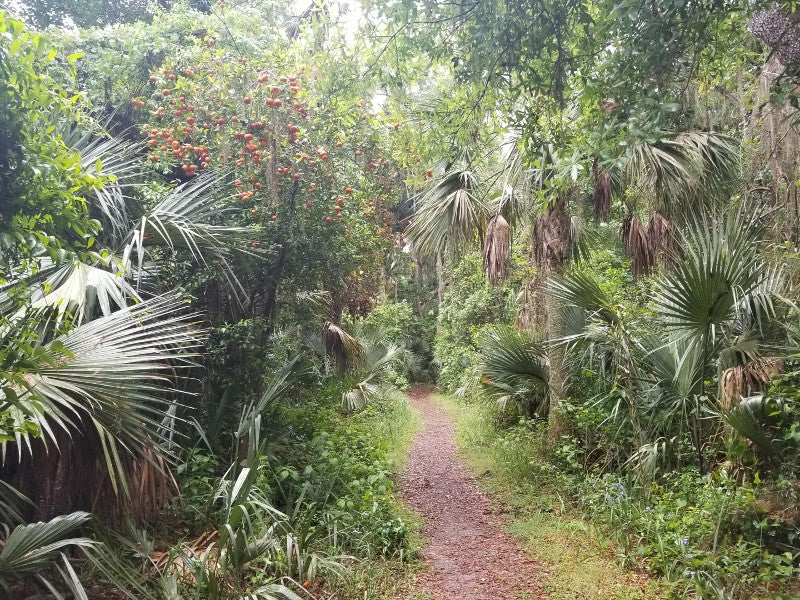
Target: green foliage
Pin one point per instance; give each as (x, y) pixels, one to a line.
(43, 182)
(513, 369)
(336, 483)
(708, 536)
(469, 303)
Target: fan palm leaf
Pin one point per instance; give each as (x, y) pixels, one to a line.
(514, 367)
(78, 288)
(381, 359)
(449, 216)
(115, 161)
(754, 418)
(27, 551)
(675, 174)
(186, 218)
(343, 348)
(579, 288)
(112, 376)
(721, 266)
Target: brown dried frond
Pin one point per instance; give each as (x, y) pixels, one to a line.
(151, 485)
(637, 246)
(662, 241)
(202, 548)
(497, 249)
(601, 198)
(755, 376)
(342, 347)
(552, 239)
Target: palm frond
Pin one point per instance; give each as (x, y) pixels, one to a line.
(678, 367)
(186, 219)
(579, 288)
(343, 348)
(29, 550)
(751, 418)
(112, 376)
(449, 216)
(675, 174)
(381, 358)
(115, 160)
(78, 288)
(514, 366)
(721, 265)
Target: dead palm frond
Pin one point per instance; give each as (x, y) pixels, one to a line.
(497, 249)
(601, 197)
(747, 379)
(343, 348)
(662, 241)
(637, 245)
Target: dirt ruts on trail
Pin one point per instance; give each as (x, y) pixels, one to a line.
(467, 555)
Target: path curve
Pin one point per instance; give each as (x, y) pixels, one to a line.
(467, 555)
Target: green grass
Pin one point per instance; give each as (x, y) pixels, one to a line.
(579, 563)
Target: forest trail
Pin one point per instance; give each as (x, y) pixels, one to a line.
(467, 554)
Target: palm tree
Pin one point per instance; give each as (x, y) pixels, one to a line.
(718, 317)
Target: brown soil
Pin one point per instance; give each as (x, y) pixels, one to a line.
(467, 555)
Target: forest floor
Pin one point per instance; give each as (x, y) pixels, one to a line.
(467, 554)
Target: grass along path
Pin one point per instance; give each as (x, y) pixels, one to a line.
(578, 564)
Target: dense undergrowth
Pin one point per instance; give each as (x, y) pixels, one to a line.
(696, 536)
(318, 518)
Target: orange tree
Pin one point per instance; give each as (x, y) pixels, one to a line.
(306, 165)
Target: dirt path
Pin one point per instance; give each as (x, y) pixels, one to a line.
(468, 556)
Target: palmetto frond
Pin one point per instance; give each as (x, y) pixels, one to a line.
(113, 377)
(186, 219)
(580, 289)
(676, 173)
(756, 418)
(381, 359)
(343, 348)
(78, 288)
(116, 161)
(29, 551)
(721, 266)
(677, 367)
(514, 368)
(449, 216)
